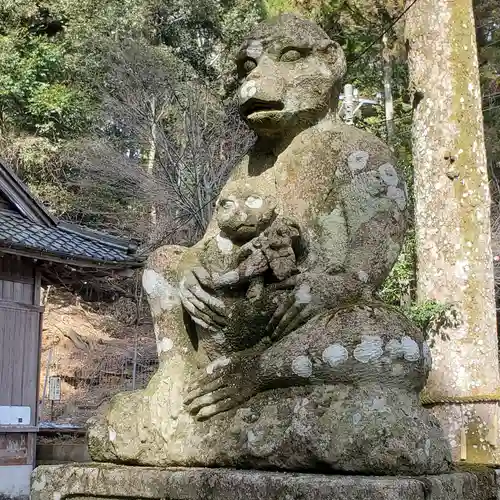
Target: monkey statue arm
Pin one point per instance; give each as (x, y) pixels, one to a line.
(369, 197)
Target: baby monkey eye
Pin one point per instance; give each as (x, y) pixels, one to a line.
(254, 201)
(226, 203)
(290, 55)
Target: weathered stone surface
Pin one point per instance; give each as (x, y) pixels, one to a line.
(112, 482)
(273, 351)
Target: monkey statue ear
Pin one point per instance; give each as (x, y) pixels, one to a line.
(328, 44)
(336, 53)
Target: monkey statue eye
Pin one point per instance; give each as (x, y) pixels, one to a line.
(290, 55)
(249, 65)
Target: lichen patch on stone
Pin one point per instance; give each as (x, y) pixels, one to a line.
(225, 245)
(302, 366)
(303, 294)
(39, 484)
(363, 276)
(248, 89)
(164, 345)
(162, 295)
(335, 354)
(219, 337)
(357, 161)
(218, 363)
(370, 349)
(254, 49)
(388, 174)
(398, 195)
(410, 348)
(254, 202)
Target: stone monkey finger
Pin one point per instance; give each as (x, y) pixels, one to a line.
(215, 306)
(288, 319)
(254, 266)
(205, 383)
(278, 315)
(203, 276)
(291, 307)
(209, 399)
(212, 410)
(201, 323)
(301, 318)
(227, 279)
(198, 390)
(194, 312)
(286, 284)
(189, 297)
(302, 299)
(245, 251)
(195, 309)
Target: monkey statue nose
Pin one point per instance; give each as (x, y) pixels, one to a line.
(248, 90)
(263, 94)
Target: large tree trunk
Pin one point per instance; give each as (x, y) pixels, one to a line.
(452, 212)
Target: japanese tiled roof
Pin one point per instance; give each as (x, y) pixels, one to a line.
(27, 227)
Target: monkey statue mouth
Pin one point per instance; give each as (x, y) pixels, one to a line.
(259, 106)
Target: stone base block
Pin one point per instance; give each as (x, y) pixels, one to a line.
(108, 481)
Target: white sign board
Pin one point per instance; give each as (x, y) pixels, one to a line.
(54, 388)
(15, 415)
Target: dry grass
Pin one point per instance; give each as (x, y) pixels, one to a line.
(93, 353)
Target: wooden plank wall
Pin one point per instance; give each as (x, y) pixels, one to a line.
(17, 279)
(20, 320)
(16, 449)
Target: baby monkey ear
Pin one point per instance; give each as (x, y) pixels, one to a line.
(271, 201)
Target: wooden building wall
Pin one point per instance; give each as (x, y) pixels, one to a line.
(20, 319)
(20, 332)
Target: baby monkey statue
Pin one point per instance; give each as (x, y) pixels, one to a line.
(273, 351)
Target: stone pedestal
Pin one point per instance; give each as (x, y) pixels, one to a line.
(107, 481)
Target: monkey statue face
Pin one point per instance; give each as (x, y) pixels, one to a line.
(291, 73)
(243, 212)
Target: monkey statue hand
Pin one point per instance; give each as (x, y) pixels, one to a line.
(311, 293)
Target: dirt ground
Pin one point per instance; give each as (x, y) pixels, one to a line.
(92, 348)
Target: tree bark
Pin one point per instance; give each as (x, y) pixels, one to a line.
(452, 217)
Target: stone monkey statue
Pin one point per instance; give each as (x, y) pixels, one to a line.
(339, 385)
(254, 247)
(259, 241)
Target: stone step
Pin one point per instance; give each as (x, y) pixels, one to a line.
(109, 481)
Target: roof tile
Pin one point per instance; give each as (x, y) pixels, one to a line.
(17, 230)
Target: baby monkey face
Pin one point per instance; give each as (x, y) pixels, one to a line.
(243, 212)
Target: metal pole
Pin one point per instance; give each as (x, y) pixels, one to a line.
(49, 359)
(134, 363)
(389, 105)
(349, 104)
